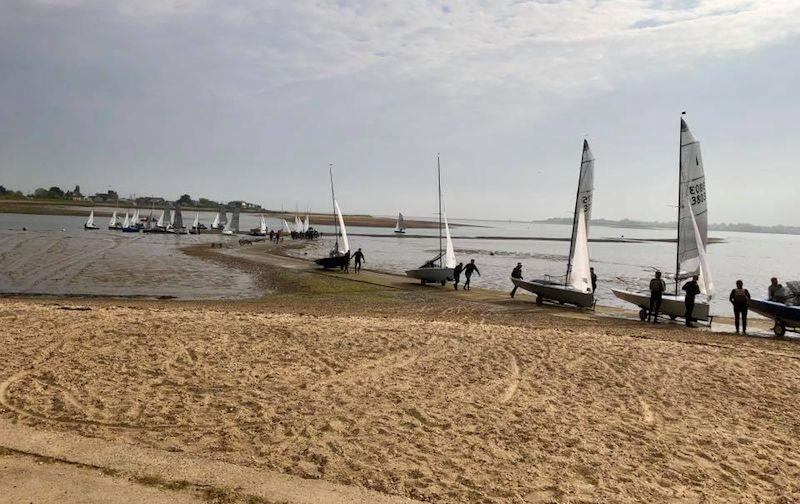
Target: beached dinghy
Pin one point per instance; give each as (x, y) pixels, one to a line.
(576, 289)
(338, 257)
(400, 227)
(90, 222)
(232, 227)
(440, 268)
(692, 238)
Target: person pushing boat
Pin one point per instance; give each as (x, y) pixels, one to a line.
(516, 273)
(468, 271)
(692, 289)
(457, 274)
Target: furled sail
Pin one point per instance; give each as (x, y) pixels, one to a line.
(449, 251)
(178, 220)
(693, 206)
(235, 220)
(342, 229)
(579, 275)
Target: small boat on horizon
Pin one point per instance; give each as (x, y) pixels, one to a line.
(430, 272)
(576, 289)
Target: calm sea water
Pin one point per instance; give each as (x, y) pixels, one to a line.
(56, 255)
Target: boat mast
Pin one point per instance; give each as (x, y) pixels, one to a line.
(575, 217)
(333, 204)
(680, 180)
(439, 176)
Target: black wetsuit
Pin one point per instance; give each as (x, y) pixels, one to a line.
(457, 275)
(739, 299)
(468, 270)
(692, 290)
(357, 258)
(516, 273)
(657, 288)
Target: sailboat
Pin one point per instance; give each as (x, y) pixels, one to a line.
(114, 222)
(195, 224)
(576, 289)
(232, 227)
(128, 226)
(261, 230)
(690, 258)
(286, 226)
(430, 272)
(90, 222)
(400, 227)
(177, 224)
(338, 257)
(306, 224)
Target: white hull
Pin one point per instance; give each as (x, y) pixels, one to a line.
(559, 293)
(671, 305)
(432, 275)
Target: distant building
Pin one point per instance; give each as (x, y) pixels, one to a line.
(146, 201)
(243, 205)
(106, 197)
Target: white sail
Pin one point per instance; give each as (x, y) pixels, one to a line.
(449, 251)
(127, 222)
(579, 274)
(298, 224)
(705, 281)
(585, 187)
(306, 225)
(342, 229)
(90, 222)
(215, 222)
(262, 225)
(113, 221)
(167, 216)
(693, 205)
(160, 221)
(286, 225)
(401, 224)
(196, 222)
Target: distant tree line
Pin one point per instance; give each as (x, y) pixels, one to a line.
(628, 223)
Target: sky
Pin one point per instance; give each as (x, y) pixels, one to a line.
(253, 99)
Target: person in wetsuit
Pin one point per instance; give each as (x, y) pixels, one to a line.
(457, 274)
(692, 289)
(657, 288)
(358, 257)
(738, 299)
(516, 273)
(468, 271)
(775, 291)
(594, 279)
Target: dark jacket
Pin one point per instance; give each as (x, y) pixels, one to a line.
(657, 285)
(739, 297)
(517, 272)
(470, 268)
(457, 270)
(692, 289)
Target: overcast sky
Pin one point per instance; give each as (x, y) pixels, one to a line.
(252, 99)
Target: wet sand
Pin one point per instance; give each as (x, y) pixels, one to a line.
(377, 383)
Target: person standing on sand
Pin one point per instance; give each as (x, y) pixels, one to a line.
(357, 258)
(271, 235)
(594, 280)
(657, 288)
(468, 271)
(457, 274)
(346, 265)
(738, 299)
(692, 289)
(516, 273)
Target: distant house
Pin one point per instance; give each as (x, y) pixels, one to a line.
(243, 205)
(145, 201)
(106, 197)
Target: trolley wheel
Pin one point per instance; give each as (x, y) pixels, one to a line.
(443, 282)
(539, 300)
(673, 317)
(642, 314)
(779, 329)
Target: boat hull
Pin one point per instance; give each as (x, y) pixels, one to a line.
(333, 262)
(672, 305)
(559, 293)
(785, 316)
(90, 228)
(432, 275)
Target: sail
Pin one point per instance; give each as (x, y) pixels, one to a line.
(235, 220)
(177, 218)
(585, 188)
(127, 222)
(401, 223)
(705, 281)
(262, 225)
(196, 222)
(223, 217)
(286, 225)
(342, 229)
(298, 224)
(693, 210)
(160, 221)
(167, 216)
(449, 251)
(113, 221)
(150, 220)
(579, 274)
(215, 222)
(90, 222)
(306, 225)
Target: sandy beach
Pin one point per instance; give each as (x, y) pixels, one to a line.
(372, 384)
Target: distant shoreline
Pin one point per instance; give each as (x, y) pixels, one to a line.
(631, 224)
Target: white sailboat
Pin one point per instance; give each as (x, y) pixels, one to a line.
(160, 221)
(261, 230)
(576, 288)
(114, 222)
(215, 222)
(177, 221)
(232, 227)
(692, 243)
(128, 225)
(339, 256)
(400, 227)
(430, 272)
(196, 224)
(90, 221)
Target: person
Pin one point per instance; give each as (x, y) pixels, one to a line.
(692, 289)
(594, 279)
(346, 265)
(271, 235)
(738, 299)
(775, 291)
(357, 258)
(468, 271)
(516, 273)
(457, 274)
(657, 288)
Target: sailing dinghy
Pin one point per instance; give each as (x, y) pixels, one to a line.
(576, 289)
(691, 256)
(90, 222)
(261, 230)
(232, 227)
(128, 226)
(338, 257)
(400, 227)
(114, 223)
(440, 268)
